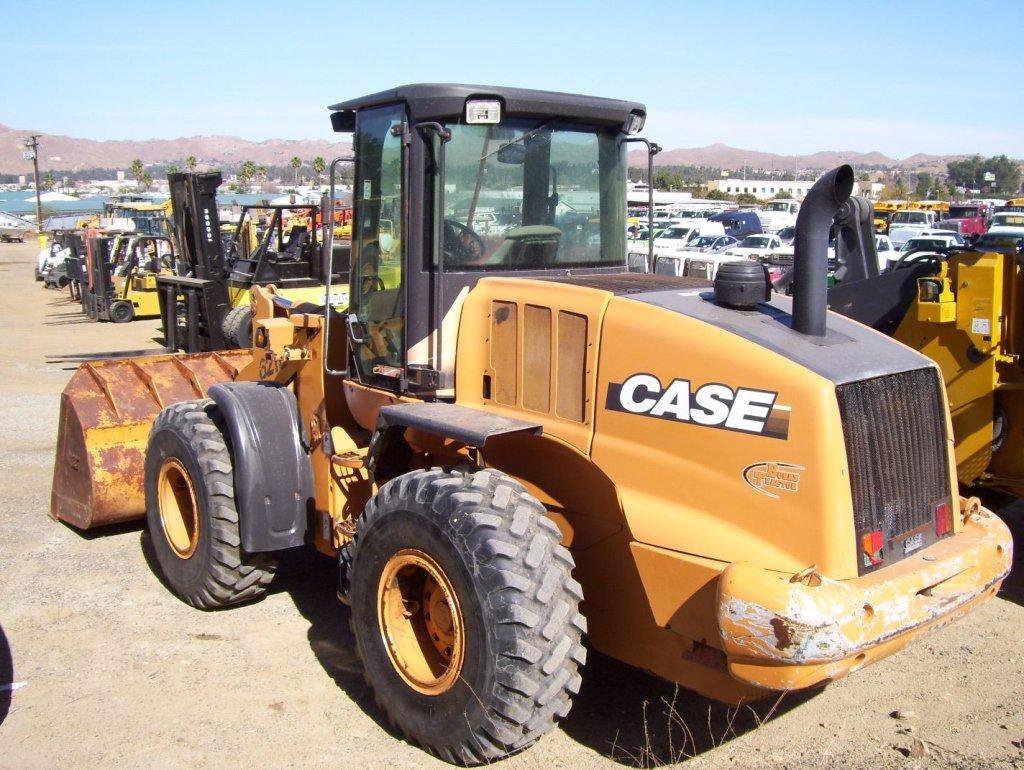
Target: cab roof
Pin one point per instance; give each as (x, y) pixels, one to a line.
(445, 101)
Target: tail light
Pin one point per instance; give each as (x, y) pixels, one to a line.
(871, 544)
(943, 519)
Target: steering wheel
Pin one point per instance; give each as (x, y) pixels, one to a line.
(917, 258)
(370, 283)
(462, 243)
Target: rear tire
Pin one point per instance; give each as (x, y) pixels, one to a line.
(237, 328)
(509, 618)
(122, 312)
(191, 511)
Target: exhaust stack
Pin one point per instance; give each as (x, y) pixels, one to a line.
(810, 249)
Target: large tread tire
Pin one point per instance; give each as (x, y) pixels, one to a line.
(519, 601)
(237, 328)
(218, 573)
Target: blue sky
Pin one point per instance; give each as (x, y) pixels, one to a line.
(790, 77)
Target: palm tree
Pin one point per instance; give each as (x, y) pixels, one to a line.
(138, 170)
(49, 181)
(190, 163)
(319, 164)
(246, 172)
(296, 164)
(173, 168)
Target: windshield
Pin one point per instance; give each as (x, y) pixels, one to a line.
(994, 241)
(1008, 220)
(755, 242)
(909, 217)
(675, 233)
(779, 206)
(555, 196)
(706, 241)
(963, 212)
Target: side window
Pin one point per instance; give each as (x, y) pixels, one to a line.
(377, 290)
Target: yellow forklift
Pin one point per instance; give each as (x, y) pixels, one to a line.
(206, 305)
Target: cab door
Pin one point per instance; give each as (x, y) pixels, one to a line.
(377, 328)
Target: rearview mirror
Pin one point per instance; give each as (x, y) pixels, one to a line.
(512, 154)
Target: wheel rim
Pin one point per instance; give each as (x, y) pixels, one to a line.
(421, 622)
(179, 510)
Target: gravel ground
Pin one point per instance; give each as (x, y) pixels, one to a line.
(113, 671)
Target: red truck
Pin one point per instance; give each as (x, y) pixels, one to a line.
(969, 219)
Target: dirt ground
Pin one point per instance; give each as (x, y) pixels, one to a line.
(111, 670)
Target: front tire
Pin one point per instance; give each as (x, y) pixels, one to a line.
(237, 328)
(465, 612)
(191, 511)
(122, 312)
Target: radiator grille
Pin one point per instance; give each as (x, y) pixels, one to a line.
(895, 432)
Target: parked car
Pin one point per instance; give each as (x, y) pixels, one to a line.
(739, 224)
(787, 235)
(934, 240)
(886, 252)
(711, 243)
(1001, 242)
(755, 246)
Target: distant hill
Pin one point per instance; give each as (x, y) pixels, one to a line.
(65, 153)
(726, 157)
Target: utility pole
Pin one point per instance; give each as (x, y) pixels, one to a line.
(32, 153)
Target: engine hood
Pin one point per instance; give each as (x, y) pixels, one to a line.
(848, 352)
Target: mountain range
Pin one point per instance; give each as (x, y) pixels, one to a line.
(733, 158)
(65, 153)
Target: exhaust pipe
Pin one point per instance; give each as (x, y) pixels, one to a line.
(810, 249)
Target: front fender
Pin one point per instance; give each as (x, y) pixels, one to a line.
(273, 472)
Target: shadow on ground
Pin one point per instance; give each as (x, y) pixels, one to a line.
(1012, 512)
(310, 579)
(640, 720)
(6, 675)
(621, 712)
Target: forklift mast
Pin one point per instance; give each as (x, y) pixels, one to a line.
(197, 225)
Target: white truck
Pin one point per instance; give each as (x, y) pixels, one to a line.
(908, 223)
(676, 238)
(778, 214)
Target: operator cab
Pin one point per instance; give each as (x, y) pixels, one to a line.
(497, 181)
(275, 245)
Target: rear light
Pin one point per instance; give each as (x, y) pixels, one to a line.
(871, 544)
(943, 519)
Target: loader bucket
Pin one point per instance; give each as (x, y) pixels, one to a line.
(106, 412)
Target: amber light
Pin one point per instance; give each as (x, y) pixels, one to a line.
(943, 519)
(872, 543)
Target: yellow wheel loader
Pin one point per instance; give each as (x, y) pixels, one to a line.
(510, 442)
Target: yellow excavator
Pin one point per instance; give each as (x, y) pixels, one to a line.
(509, 441)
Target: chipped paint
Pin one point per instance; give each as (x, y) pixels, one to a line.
(776, 626)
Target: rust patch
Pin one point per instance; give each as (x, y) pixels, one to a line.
(783, 633)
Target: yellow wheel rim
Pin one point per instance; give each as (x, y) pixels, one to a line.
(420, 622)
(179, 510)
